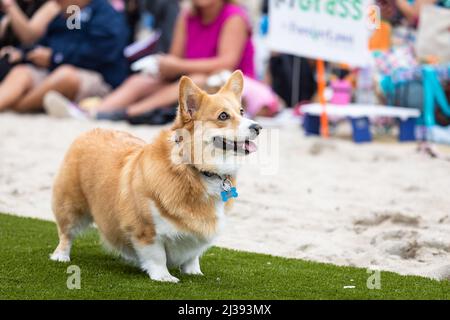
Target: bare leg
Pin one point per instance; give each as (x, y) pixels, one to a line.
(164, 97)
(133, 89)
(64, 80)
(18, 81)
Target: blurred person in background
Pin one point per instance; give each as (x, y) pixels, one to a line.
(22, 23)
(77, 62)
(411, 9)
(152, 22)
(165, 13)
(389, 11)
(212, 36)
(132, 13)
(280, 71)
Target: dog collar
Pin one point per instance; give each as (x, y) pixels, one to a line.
(228, 190)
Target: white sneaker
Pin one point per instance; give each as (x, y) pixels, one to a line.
(57, 105)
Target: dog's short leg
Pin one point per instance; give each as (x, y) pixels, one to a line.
(68, 228)
(62, 251)
(153, 260)
(192, 266)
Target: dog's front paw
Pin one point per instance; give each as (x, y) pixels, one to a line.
(191, 269)
(60, 256)
(158, 272)
(164, 278)
(193, 272)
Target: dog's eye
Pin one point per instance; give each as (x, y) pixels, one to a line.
(242, 111)
(224, 116)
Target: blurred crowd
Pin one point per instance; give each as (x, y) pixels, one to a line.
(120, 60)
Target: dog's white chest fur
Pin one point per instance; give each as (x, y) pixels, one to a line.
(182, 246)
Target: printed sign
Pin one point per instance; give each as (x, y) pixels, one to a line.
(331, 30)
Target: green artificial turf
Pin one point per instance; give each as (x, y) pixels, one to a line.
(27, 273)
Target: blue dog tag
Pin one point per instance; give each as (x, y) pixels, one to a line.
(232, 193)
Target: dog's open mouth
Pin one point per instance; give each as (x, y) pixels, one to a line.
(241, 147)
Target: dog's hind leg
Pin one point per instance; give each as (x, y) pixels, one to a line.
(62, 251)
(70, 209)
(72, 217)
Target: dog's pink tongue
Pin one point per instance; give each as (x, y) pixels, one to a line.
(250, 146)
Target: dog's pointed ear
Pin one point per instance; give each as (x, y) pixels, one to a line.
(235, 84)
(189, 98)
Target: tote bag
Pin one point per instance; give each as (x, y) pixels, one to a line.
(433, 36)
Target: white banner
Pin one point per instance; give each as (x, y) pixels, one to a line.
(331, 30)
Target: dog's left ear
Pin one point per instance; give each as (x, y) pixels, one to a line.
(235, 84)
(189, 98)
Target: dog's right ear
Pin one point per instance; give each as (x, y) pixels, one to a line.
(189, 98)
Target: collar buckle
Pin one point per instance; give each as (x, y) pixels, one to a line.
(226, 184)
(228, 190)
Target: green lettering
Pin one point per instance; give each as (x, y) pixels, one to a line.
(318, 6)
(357, 5)
(330, 7)
(305, 5)
(344, 10)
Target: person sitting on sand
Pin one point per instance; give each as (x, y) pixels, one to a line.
(25, 22)
(214, 35)
(77, 62)
(22, 23)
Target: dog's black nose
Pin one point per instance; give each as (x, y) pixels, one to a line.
(255, 128)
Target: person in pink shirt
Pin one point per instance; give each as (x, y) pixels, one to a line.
(213, 35)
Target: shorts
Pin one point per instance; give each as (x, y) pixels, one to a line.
(91, 82)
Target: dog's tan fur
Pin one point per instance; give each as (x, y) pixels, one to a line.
(109, 177)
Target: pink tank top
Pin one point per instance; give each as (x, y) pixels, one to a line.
(203, 39)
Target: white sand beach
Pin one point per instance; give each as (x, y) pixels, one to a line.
(379, 204)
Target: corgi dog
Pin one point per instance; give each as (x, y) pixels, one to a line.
(161, 204)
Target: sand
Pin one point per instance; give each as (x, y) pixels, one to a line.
(377, 205)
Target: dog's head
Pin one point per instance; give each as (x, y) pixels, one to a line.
(213, 128)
